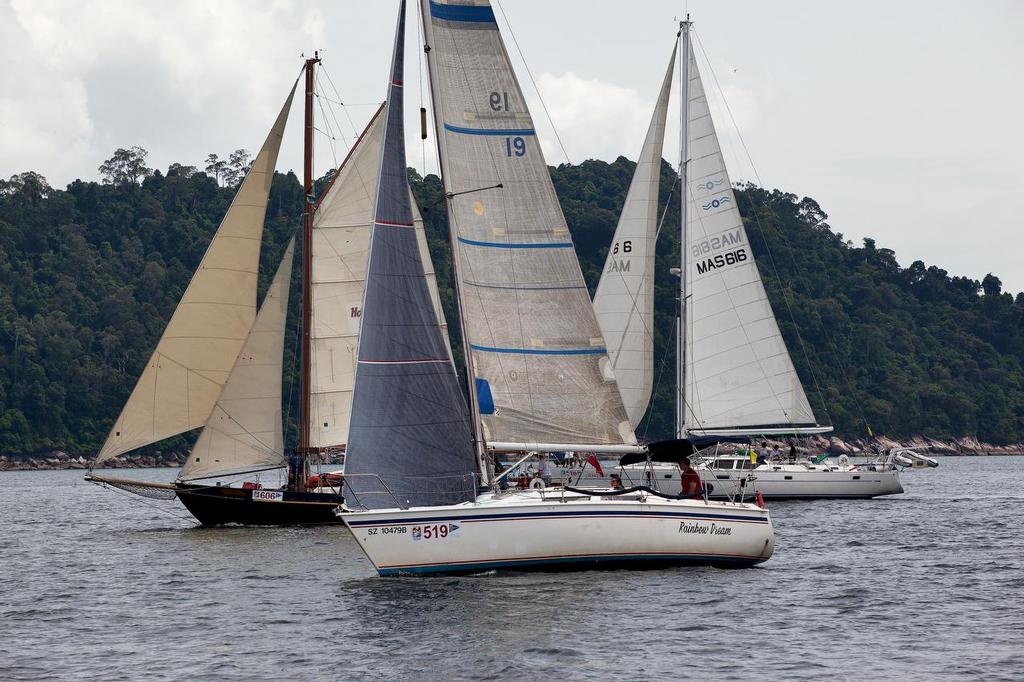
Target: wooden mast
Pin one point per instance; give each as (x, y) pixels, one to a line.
(299, 483)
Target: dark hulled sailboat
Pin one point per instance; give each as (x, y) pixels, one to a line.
(218, 364)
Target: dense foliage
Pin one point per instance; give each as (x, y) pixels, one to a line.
(89, 275)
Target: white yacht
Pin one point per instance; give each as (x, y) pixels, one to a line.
(416, 455)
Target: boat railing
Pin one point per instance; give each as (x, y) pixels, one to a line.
(410, 485)
(347, 485)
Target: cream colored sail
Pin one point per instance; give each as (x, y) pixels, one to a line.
(244, 429)
(624, 301)
(341, 233)
(739, 375)
(182, 380)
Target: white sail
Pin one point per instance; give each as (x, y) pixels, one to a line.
(624, 301)
(739, 376)
(244, 429)
(182, 379)
(341, 234)
(540, 363)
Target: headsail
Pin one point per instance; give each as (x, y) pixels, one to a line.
(184, 376)
(624, 301)
(341, 237)
(244, 429)
(410, 425)
(536, 350)
(739, 376)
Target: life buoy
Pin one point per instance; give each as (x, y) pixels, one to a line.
(844, 460)
(537, 484)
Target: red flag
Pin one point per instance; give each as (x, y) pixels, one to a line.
(592, 460)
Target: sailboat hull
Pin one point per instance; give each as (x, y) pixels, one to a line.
(546, 531)
(774, 482)
(221, 505)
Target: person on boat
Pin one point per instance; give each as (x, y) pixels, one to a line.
(792, 451)
(498, 469)
(690, 484)
(543, 472)
(616, 482)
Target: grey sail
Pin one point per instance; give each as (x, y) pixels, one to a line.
(409, 432)
(341, 241)
(539, 359)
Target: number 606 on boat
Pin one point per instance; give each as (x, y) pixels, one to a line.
(435, 531)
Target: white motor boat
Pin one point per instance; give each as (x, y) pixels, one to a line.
(551, 528)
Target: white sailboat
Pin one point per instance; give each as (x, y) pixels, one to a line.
(735, 377)
(540, 369)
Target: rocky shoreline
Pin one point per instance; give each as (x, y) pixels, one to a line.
(62, 460)
(967, 447)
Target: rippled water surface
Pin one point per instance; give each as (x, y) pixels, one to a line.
(925, 585)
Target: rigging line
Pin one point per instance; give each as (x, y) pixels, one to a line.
(532, 81)
(337, 124)
(327, 124)
(327, 74)
(133, 496)
(771, 257)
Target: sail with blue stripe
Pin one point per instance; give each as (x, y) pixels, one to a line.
(533, 340)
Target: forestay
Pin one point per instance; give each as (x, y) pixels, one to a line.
(540, 362)
(244, 429)
(409, 432)
(183, 378)
(341, 236)
(739, 376)
(624, 302)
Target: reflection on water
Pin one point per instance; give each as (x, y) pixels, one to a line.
(926, 585)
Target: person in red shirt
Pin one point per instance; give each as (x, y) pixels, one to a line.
(691, 483)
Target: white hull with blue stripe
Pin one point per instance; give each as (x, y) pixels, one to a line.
(550, 530)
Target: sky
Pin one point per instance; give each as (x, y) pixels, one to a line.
(902, 119)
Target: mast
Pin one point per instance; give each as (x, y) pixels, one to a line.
(684, 158)
(299, 478)
(474, 401)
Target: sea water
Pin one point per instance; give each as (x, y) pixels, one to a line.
(925, 585)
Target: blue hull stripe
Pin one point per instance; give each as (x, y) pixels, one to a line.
(517, 245)
(486, 131)
(541, 351)
(554, 514)
(467, 13)
(595, 559)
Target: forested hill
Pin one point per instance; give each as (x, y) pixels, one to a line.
(89, 276)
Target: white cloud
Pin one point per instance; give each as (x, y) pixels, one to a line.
(179, 78)
(594, 119)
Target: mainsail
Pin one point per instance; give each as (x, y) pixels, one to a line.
(244, 429)
(739, 376)
(624, 301)
(341, 237)
(183, 378)
(410, 427)
(540, 363)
